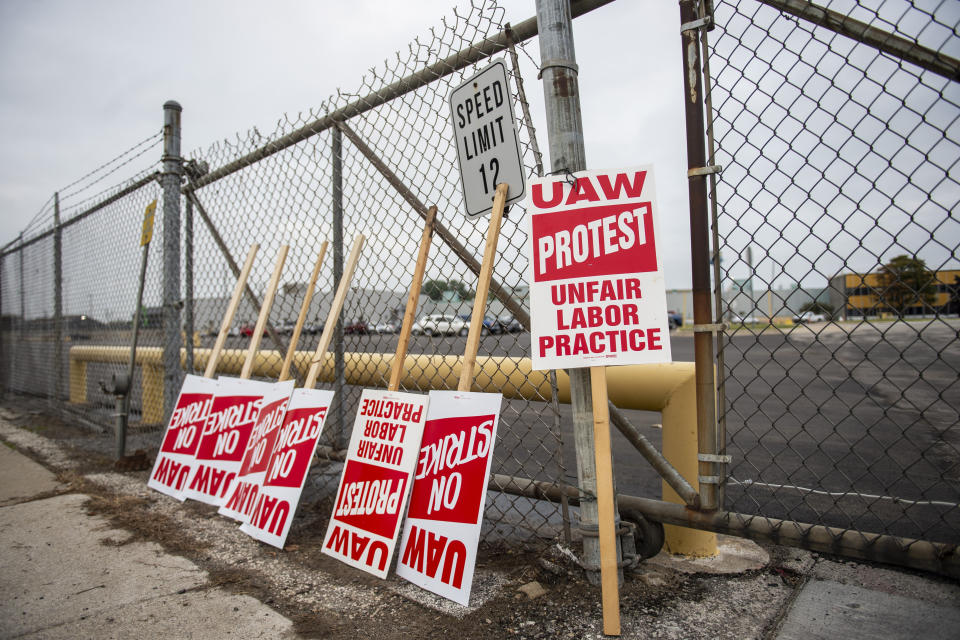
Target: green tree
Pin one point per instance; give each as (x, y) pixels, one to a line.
(434, 289)
(462, 290)
(907, 282)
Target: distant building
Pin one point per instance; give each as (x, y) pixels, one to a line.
(857, 295)
(740, 300)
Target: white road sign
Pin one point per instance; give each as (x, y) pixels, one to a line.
(488, 148)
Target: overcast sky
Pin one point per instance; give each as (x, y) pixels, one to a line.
(83, 82)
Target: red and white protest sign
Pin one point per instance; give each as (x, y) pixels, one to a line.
(269, 510)
(178, 450)
(244, 488)
(597, 293)
(438, 549)
(223, 440)
(376, 479)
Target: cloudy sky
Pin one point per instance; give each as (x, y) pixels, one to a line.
(83, 82)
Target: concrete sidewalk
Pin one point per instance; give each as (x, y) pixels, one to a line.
(67, 574)
(70, 574)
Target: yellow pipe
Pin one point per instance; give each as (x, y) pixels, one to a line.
(644, 387)
(668, 388)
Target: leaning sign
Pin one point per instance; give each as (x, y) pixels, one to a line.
(597, 293)
(488, 148)
(438, 550)
(376, 480)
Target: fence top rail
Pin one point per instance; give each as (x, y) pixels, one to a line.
(463, 58)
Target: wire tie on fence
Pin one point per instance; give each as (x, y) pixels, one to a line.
(557, 62)
(710, 328)
(696, 24)
(712, 457)
(704, 171)
(568, 176)
(709, 479)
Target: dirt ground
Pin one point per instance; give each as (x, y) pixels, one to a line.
(327, 599)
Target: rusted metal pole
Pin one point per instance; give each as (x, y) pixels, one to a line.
(885, 41)
(917, 554)
(697, 173)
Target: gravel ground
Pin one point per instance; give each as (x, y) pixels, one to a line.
(326, 599)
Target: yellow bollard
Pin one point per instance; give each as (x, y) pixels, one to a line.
(151, 394)
(680, 448)
(78, 381)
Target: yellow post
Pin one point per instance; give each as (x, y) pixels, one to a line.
(680, 449)
(78, 381)
(151, 394)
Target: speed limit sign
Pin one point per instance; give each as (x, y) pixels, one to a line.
(488, 148)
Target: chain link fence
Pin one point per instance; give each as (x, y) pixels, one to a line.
(838, 388)
(838, 243)
(373, 176)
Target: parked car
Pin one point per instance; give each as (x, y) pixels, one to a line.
(438, 323)
(244, 330)
(809, 316)
(286, 327)
(385, 327)
(674, 320)
(490, 325)
(358, 327)
(509, 324)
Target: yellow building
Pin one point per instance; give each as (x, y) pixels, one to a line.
(861, 294)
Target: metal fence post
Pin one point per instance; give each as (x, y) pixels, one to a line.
(23, 304)
(4, 356)
(57, 303)
(558, 67)
(338, 348)
(170, 181)
(700, 255)
(188, 328)
(23, 308)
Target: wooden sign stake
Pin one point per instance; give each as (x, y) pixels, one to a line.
(264, 314)
(302, 318)
(483, 289)
(408, 315)
(335, 307)
(231, 312)
(606, 516)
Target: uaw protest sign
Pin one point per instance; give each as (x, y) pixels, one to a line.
(597, 293)
(375, 482)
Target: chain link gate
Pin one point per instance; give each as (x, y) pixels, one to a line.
(837, 260)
